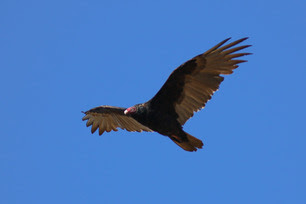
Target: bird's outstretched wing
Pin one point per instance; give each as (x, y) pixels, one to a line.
(192, 84)
(108, 118)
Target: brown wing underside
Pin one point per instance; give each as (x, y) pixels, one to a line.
(108, 118)
(192, 84)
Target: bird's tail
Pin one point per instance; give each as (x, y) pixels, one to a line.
(191, 144)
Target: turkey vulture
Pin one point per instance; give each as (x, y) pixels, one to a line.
(186, 91)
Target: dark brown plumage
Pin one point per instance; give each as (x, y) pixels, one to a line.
(186, 91)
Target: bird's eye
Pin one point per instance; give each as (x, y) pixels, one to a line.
(132, 109)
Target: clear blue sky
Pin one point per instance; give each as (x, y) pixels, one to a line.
(59, 58)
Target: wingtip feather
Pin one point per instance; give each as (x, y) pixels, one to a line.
(86, 117)
(217, 46)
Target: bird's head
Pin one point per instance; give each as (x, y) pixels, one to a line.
(130, 110)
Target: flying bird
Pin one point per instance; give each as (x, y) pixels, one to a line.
(186, 91)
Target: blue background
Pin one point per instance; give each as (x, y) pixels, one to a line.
(59, 58)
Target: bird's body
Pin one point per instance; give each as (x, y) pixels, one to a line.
(186, 91)
(157, 121)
